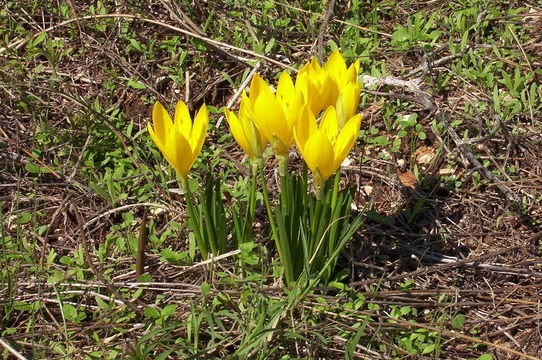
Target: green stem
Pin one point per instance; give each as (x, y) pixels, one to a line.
(335, 189)
(283, 164)
(268, 206)
(315, 222)
(194, 220)
(286, 261)
(249, 219)
(318, 183)
(208, 231)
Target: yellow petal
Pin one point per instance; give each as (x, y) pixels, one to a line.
(237, 131)
(271, 121)
(179, 141)
(302, 85)
(312, 84)
(199, 130)
(256, 139)
(258, 87)
(311, 67)
(161, 122)
(294, 111)
(353, 71)
(322, 91)
(348, 102)
(263, 140)
(178, 153)
(318, 154)
(304, 69)
(305, 128)
(286, 94)
(163, 126)
(183, 122)
(346, 139)
(154, 136)
(329, 125)
(246, 108)
(335, 64)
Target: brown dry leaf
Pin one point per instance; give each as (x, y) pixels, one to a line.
(424, 155)
(408, 179)
(372, 110)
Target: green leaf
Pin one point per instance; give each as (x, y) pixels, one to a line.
(405, 310)
(151, 312)
(137, 293)
(100, 191)
(193, 184)
(56, 276)
(168, 310)
(429, 348)
(485, 357)
(422, 135)
(136, 44)
(381, 140)
(101, 303)
(69, 311)
(205, 288)
(35, 169)
(136, 84)
(496, 99)
(165, 355)
(144, 278)
(174, 257)
(400, 34)
(464, 40)
(192, 245)
(458, 321)
(270, 46)
(24, 218)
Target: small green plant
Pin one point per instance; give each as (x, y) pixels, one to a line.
(418, 29)
(409, 130)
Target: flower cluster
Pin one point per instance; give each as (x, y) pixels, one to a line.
(316, 110)
(279, 117)
(291, 112)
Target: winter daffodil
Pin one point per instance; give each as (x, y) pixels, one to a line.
(348, 94)
(337, 70)
(316, 86)
(330, 85)
(347, 102)
(245, 131)
(324, 146)
(180, 140)
(275, 114)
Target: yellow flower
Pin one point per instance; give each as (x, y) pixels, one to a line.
(316, 86)
(336, 68)
(331, 85)
(181, 140)
(324, 146)
(347, 102)
(245, 131)
(274, 114)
